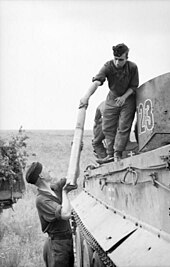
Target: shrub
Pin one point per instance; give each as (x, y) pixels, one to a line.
(13, 157)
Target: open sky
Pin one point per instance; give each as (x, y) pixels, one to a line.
(50, 50)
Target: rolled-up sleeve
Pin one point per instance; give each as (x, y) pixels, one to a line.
(101, 76)
(134, 83)
(50, 210)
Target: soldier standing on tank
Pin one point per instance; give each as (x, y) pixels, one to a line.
(120, 105)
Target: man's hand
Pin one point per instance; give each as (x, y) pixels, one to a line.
(120, 100)
(83, 102)
(68, 187)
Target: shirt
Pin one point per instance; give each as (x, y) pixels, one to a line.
(49, 211)
(119, 80)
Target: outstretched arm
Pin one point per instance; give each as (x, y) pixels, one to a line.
(85, 99)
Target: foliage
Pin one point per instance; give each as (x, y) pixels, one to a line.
(13, 157)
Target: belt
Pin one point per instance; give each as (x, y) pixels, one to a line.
(60, 236)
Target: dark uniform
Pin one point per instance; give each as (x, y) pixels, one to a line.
(98, 136)
(58, 248)
(117, 121)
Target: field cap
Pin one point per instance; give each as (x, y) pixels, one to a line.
(33, 172)
(119, 50)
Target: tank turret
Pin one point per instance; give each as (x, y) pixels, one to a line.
(153, 113)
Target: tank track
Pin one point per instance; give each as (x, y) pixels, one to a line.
(92, 242)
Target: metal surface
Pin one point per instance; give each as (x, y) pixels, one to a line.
(137, 186)
(153, 113)
(142, 249)
(126, 245)
(106, 227)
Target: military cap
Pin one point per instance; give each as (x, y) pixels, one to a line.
(33, 172)
(120, 49)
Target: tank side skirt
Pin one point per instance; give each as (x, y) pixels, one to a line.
(159, 233)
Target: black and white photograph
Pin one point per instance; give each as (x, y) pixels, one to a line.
(84, 133)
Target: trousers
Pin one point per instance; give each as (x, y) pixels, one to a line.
(97, 142)
(117, 123)
(58, 253)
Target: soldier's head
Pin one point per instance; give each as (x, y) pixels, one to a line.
(120, 53)
(37, 174)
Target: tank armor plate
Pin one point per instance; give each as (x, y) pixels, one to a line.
(117, 239)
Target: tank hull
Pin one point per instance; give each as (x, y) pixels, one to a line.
(124, 210)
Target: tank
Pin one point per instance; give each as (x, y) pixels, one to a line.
(122, 215)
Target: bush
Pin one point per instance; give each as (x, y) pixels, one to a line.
(13, 157)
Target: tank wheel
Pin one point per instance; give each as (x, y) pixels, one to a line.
(96, 260)
(87, 255)
(79, 248)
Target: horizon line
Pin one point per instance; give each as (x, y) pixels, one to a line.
(24, 130)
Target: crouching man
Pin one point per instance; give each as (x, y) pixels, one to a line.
(54, 210)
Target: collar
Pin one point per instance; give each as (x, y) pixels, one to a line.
(45, 193)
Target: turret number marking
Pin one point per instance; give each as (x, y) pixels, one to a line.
(145, 116)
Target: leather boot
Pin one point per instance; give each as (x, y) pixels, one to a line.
(107, 159)
(117, 155)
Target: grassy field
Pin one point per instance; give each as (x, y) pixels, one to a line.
(21, 239)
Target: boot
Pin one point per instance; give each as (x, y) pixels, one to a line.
(117, 155)
(107, 159)
(99, 151)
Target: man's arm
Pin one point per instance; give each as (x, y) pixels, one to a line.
(66, 205)
(132, 88)
(85, 99)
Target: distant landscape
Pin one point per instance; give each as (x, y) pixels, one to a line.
(21, 239)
